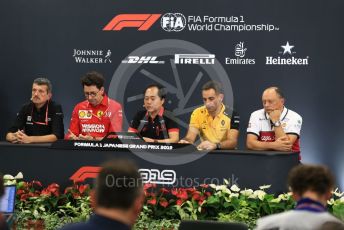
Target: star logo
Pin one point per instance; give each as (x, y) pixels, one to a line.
(287, 48)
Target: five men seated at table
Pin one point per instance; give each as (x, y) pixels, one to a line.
(272, 128)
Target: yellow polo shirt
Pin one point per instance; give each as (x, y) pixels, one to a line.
(213, 130)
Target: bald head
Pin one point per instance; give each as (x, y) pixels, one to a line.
(272, 99)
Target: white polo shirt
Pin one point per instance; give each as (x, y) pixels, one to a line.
(261, 126)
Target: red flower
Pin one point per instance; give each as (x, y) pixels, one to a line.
(149, 185)
(83, 188)
(196, 195)
(68, 189)
(191, 190)
(51, 189)
(204, 185)
(20, 192)
(24, 197)
(151, 201)
(179, 202)
(46, 192)
(148, 194)
(201, 199)
(36, 182)
(174, 191)
(163, 202)
(207, 194)
(76, 195)
(164, 191)
(180, 193)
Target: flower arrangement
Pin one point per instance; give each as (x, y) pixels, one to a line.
(214, 202)
(164, 208)
(37, 204)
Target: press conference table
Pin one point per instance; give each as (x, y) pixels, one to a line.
(248, 169)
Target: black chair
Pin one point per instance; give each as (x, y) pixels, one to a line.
(210, 225)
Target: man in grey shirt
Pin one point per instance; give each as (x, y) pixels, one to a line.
(311, 186)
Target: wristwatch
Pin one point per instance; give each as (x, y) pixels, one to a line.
(277, 123)
(218, 146)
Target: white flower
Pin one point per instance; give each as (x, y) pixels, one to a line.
(19, 176)
(260, 194)
(212, 186)
(264, 186)
(235, 188)
(276, 200)
(8, 177)
(221, 187)
(331, 201)
(284, 196)
(338, 194)
(234, 195)
(226, 181)
(341, 199)
(227, 191)
(253, 196)
(247, 192)
(10, 182)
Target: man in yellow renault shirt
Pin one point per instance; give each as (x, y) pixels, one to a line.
(217, 124)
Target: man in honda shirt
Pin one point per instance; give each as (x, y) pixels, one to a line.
(98, 115)
(275, 127)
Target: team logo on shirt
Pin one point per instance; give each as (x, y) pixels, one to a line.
(85, 114)
(223, 122)
(29, 118)
(100, 113)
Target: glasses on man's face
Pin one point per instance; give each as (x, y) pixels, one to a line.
(91, 94)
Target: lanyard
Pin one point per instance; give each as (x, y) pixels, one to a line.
(46, 116)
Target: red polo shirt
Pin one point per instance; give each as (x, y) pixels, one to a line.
(96, 121)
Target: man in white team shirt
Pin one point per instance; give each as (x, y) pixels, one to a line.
(274, 127)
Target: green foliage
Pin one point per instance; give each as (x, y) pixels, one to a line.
(163, 209)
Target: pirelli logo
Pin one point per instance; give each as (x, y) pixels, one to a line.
(141, 21)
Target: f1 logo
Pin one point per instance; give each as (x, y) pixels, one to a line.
(142, 21)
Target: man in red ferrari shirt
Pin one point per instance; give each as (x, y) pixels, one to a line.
(98, 115)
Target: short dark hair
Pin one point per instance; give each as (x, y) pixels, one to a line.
(213, 85)
(161, 91)
(93, 78)
(1, 185)
(44, 81)
(314, 178)
(118, 184)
